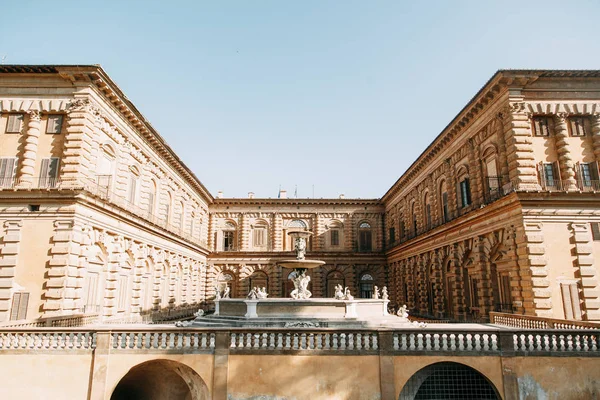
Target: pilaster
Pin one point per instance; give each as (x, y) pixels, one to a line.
(590, 289)
(77, 161)
(27, 167)
(244, 233)
(596, 135)
(9, 252)
(531, 250)
(565, 162)
(519, 147)
(277, 223)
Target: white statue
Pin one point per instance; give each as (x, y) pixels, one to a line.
(347, 294)
(339, 292)
(300, 247)
(403, 312)
(261, 293)
(376, 292)
(300, 291)
(384, 293)
(217, 293)
(226, 292)
(252, 295)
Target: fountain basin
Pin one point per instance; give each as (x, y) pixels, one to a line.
(300, 264)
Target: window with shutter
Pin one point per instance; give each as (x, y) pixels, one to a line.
(465, 192)
(541, 126)
(8, 171)
(335, 237)
(132, 188)
(18, 309)
(49, 172)
(260, 237)
(54, 125)
(392, 235)
(595, 230)
(577, 125)
(571, 301)
(15, 123)
(445, 206)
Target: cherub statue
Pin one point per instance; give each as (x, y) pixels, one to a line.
(403, 312)
(226, 292)
(252, 295)
(339, 292)
(261, 293)
(376, 292)
(347, 294)
(217, 293)
(384, 293)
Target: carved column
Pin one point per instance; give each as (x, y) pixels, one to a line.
(9, 252)
(244, 231)
(26, 169)
(277, 232)
(565, 162)
(534, 271)
(519, 147)
(78, 160)
(596, 135)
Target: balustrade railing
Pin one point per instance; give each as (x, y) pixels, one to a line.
(533, 322)
(484, 341)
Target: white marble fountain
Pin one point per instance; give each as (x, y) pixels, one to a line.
(300, 310)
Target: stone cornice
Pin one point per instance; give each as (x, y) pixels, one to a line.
(293, 202)
(498, 83)
(94, 74)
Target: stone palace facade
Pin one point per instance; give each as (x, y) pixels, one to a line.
(501, 211)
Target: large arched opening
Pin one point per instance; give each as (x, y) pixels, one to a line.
(161, 380)
(448, 380)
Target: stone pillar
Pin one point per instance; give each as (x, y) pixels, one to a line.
(78, 161)
(587, 270)
(519, 147)
(9, 252)
(211, 232)
(114, 260)
(26, 170)
(534, 271)
(565, 162)
(319, 236)
(244, 233)
(349, 233)
(139, 263)
(63, 285)
(277, 232)
(596, 135)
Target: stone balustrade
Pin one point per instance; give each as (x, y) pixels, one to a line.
(533, 322)
(484, 341)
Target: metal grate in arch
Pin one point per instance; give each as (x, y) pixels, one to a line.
(448, 381)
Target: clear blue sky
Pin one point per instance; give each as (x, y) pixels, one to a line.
(342, 95)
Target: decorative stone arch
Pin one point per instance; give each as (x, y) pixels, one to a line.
(260, 228)
(365, 235)
(449, 380)
(227, 236)
(161, 379)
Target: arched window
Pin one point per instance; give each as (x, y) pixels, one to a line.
(365, 237)
(334, 278)
(152, 197)
(228, 237)
(366, 286)
(334, 238)
(427, 211)
(297, 224)
(226, 280)
(259, 279)
(464, 188)
(444, 202)
(134, 176)
(106, 166)
(414, 216)
(168, 207)
(181, 219)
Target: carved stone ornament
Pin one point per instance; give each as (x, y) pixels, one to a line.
(183, 324)
(301, 324)
(34, 115)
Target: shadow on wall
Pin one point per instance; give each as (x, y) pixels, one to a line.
(161, 380)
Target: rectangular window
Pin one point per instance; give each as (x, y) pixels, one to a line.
(505, 293)
(49, 172)
(392, 235)
(8, 171)
(550, 177)
(260, 237)
(595, 230)
(541, 126)
(577, 125)
(228, 241)
(122, 292)
(474, 292)
(18, 309)
(14, 123)
(428, 215)
(91, 288)
(335, 237)
(54, 125)
(588, 176)
(465, 192)
(402, 230)
(132, 189)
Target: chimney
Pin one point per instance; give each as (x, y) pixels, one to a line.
(283, 194)
(342, 196)
(220, 194)
(250, 195)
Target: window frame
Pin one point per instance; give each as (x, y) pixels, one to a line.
(577, 126)
(537, 126)
(54, 117)
(8, 123)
